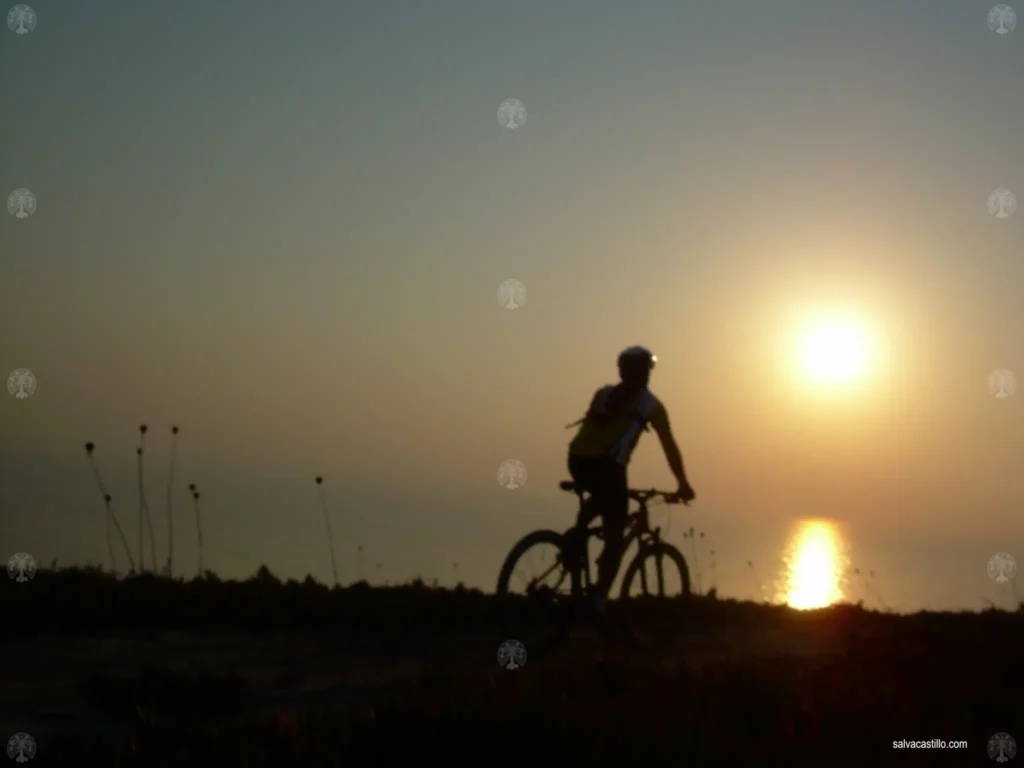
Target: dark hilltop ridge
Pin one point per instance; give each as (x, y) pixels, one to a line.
(149, 670)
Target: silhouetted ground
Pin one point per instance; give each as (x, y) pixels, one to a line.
(150, 671)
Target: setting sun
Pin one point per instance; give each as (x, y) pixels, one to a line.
(832, 350)
(814, 566)
(835, 352)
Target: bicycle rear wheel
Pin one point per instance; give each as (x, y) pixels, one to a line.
(535, 593)
(654, 595)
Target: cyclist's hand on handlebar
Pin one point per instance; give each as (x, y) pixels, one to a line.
(685, 494)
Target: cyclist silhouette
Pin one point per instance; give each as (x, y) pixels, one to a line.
(601, 450)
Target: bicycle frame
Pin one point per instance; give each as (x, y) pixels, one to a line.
(546, 602)
(638, 528)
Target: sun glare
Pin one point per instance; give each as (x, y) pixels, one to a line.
(835, 353)
(814, 566)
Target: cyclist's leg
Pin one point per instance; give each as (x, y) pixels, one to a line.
(614, 512)
(582, 471)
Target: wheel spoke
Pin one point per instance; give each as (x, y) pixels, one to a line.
(539, 576)
(539, 621)
(658, 574)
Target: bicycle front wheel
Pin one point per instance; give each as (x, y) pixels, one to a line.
(655, 589)
(535, 592)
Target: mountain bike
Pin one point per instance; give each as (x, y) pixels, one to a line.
(653, 593)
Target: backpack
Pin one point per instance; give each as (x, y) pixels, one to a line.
(598, 409)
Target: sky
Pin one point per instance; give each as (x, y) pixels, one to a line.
(282, 228)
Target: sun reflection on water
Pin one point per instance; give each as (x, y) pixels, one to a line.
(814, 566)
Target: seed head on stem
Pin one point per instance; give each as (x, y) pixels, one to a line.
(199, 526)
(170, 506)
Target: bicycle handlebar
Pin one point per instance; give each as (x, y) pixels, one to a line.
(669, 497)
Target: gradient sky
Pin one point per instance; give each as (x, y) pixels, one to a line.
(283, 226)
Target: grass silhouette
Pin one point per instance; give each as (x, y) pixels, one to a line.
(145, 519)
(757, 700)
(199, 525)
(696, 551)
(170, 505)
(92, 596)
(144, 516)
(327, 523)
(714, 571)
(753, 698)
(111, 518)
(869, 588)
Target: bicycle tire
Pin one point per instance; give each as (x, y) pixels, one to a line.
(542, 625)
(652, 622)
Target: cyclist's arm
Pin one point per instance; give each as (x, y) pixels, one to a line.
(668, 443)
